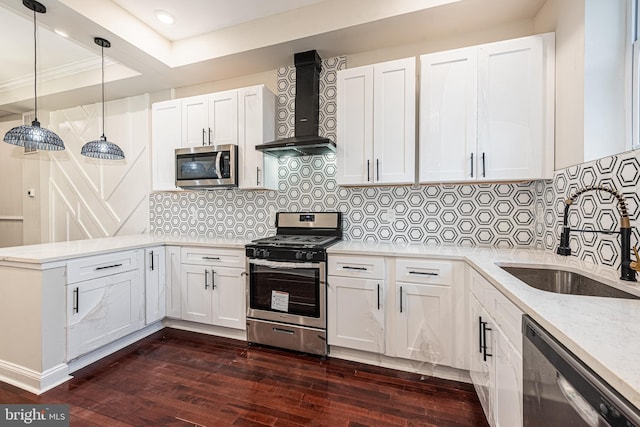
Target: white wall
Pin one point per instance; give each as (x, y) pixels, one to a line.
(11, 221)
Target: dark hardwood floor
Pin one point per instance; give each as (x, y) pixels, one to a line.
(177, 378)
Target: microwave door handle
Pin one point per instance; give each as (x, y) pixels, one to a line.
(218, 158)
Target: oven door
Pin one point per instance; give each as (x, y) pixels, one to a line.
(288, 292)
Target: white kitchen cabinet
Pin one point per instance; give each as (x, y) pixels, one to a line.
(166, 137)
(155, 284)
(212, 291)
(487, 112)
(423, 323)
(210, 119)
(376, 124)
(356, 313)
(213, 295)
(355, 303)
(496, 353)
(195, 121)
(482, 363)
(173, 277)
(102, 310)
(256, 125)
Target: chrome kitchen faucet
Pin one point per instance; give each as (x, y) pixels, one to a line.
(627, 267)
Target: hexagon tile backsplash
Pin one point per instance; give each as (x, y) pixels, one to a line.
(503, 215)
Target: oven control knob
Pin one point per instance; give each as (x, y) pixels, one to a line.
(299, 254)
(309, 256)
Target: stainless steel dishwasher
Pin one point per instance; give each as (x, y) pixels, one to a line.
(560, 390)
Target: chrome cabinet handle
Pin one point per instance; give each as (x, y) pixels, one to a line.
(76, 300)
(214, 258)
(480, 334)
(206, 276)
(400, 299)
(152, 268)
(108, 266)
(484, 339)
(209, 136)
(368, 170)
(378, 296)
(378, 169)
(348, 267)
(471, 165)
(213, 279)
(203, 137)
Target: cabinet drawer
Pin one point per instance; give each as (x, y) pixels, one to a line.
(355, 266)
(422, 271)
(211, 256)
(93, 267)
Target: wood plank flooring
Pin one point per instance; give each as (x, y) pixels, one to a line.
(178, 378)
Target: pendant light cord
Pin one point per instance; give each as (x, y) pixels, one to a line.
(102, 52)
(35, 64)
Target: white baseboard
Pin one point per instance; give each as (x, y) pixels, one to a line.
(33, 381)
(110, 348)
(237, 334)
(423, 368)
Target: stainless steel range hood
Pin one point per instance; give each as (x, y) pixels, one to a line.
(307, 141)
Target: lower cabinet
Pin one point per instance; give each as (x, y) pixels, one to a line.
(155, 284)
(210, 293)
(356, 313)
(102, 310)
(423, 323)
(496, 353)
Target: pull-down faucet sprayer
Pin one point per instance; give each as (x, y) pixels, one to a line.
(626, 271)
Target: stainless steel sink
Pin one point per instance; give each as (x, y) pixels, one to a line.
(565, 282)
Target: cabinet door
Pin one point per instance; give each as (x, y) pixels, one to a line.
(448, 116)
(394, 118)
(103, 310)
(355, 317)
(482, 368)
(223, 118)
(256, 125)
(173, 277)
(508, 383)
(510, 115)
(354, 147)
(196, 293)
(155, 284)
(424, 323)
(166, 137)
(228, 292)
(195, 127)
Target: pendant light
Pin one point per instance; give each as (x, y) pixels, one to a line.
(34, 137)
(101, 148)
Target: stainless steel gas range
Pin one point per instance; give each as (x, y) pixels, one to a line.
(287, 282)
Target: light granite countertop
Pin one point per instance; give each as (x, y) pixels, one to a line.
(603, 332)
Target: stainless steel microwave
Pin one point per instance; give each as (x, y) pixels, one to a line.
(207, 167)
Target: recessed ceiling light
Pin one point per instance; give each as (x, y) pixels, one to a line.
(164, 17)
(60, 33)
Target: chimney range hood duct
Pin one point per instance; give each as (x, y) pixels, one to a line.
(307, 141)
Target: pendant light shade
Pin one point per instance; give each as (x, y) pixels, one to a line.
(101, 148)
(34, 137)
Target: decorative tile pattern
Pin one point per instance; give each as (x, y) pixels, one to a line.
(595, 210)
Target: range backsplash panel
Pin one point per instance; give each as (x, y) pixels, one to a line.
(595, 210)
(499, 215)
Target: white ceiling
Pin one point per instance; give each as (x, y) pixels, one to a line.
(210, 40)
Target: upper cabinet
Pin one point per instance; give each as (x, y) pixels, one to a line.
(487, 112)
(244, 117)
(376, 124)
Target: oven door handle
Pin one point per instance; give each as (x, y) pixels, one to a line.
(283, 264)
